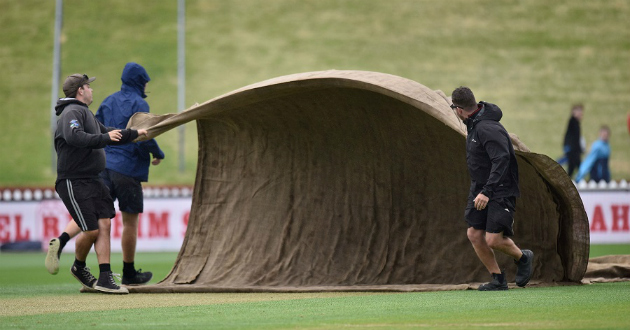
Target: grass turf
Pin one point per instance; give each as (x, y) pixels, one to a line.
(31, 298)
(602, 306)
(598, 250)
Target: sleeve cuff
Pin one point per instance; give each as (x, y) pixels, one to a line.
(487, 193)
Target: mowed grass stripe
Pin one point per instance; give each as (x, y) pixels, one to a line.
(568, 307)
(32, 298)
(105, 302)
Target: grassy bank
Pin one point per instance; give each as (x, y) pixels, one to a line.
(533, 58)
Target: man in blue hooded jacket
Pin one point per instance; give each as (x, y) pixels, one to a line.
(128, 165)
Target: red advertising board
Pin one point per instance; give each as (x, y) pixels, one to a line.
(162, 226)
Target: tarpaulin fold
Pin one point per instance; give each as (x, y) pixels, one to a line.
(351, 181)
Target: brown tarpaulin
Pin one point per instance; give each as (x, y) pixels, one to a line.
(612, 268)
(351, 180)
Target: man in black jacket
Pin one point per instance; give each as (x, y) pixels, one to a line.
(572, 145)
(493, 190)
(79, 142)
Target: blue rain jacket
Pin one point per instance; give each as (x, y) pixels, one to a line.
(596, 163)
(131, 159)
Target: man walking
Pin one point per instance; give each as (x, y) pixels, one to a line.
(494, 187)
(127, 165)
(79, 141)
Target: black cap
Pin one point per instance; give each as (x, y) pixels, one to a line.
(73, 82)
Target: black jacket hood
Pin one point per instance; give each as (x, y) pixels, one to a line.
(488, 111)
(492, 166)
(63, 103)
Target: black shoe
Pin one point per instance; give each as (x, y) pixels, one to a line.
(524, 270)
(83, 275)
(107, 284)
(498, 283)
(52, 257)
(139, 278)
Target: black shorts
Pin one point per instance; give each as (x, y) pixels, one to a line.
(87, 200)
(126, 189)
(498, 216)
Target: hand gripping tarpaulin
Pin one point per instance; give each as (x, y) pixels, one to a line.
(351, 181)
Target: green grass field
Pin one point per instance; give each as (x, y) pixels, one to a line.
(31, 298)
(533, 58)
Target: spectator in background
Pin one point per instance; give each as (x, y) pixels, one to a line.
(596, 162)
(573, 145)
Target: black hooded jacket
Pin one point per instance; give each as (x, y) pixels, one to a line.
(572, 137)
(490, 155)
(80, 139)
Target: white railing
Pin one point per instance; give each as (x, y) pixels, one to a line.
(37, 194)
(602, 185)
(11, 194)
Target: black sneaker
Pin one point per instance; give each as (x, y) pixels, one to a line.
(52, 257)
(107, 284)
(524, 270)
(84, 276)
(139, 278)
(496, 284)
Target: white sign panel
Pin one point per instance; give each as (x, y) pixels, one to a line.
(608, 215)
(161, 227)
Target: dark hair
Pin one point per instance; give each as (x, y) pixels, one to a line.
(577, 106)
(464, 97)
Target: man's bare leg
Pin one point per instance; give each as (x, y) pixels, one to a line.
(102, 246)
(483, 250)
(72, 229)
(478, 238)
(131, 276)
(79, 269)
(523, 258)
(56, 245)
(129, 236)
(503, 244)
(84, 244)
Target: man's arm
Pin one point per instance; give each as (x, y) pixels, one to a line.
(497, 147)
(589, 161)
(73, 131)
(151, 147)
(125, 135)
